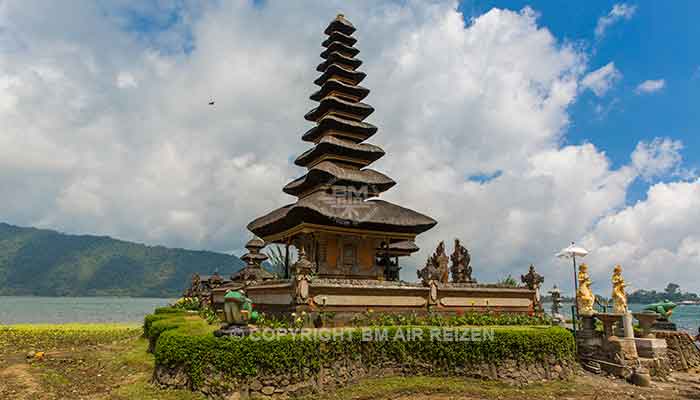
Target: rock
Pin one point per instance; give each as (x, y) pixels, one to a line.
(255, 385)
(234, 396)
(268, 390)
(641, 379)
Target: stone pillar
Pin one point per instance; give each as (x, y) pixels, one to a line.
(627, 325)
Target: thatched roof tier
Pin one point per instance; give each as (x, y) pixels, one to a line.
(340, 59)
(322, 208)
(341, 89)
(329, 147)
(334, 125)
(340, 24)
(326, 174)
(346, 75)
(333, 104)
(339, 47)
(397, 249)
(255, 243)
(340, 38)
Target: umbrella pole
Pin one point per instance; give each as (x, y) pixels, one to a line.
(575, 315)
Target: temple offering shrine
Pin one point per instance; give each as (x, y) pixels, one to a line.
(349, 242)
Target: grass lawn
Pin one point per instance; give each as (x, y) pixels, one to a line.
(109, 361)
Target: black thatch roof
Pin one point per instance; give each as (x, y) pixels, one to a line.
(333, 70)
(338, 155)
(339, 87)
(340, 59)
(356, 109)
(324, 209)
(329, 173)
(339, 125)
(340, 24)
(339, 37)
(362, 154)
(340, 48)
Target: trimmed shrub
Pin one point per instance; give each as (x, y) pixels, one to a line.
(185, 343)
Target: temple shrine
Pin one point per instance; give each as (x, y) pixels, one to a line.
(348, 241)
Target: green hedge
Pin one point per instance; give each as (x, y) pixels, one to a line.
(187, 343)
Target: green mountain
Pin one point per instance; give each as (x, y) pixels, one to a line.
(47, 263)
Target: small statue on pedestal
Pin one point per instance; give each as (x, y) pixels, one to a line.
(618, 293)
(442, 261)
(533, 280)
(584, 296)
(303, 272)
(556, 304)
(461, 268)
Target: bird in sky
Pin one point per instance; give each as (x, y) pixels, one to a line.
(211, 103)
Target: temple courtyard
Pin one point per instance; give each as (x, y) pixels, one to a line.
(111, 362)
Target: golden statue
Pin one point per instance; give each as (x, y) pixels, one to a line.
(584, 297)
(618, 293)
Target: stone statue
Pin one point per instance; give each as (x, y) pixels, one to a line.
(436, 268)
(618, 293)
(533, 280)
(461, 268)
(303, 274)
(442, 263)
(429, 273)
(556, 303)
(663, 308)
(584, 296)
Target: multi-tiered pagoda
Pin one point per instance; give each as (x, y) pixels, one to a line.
(344, 230)
(350, 241)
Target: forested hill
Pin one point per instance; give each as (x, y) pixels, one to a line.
(47, 263)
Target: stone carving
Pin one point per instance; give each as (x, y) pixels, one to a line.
(461, 268)
(436, 267)
(303, 271)
(533, 280)
(618, 293)
(429, 273)
(442, 261)
(584, 296)
(556, 304)
(663, 308)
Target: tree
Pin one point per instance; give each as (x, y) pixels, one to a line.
(672, 289)
(508, 281)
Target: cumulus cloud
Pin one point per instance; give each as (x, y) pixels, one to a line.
(602, 79)
(620, 11)
(650, 86)
(655, 240)
(657, 158)
(108, 128)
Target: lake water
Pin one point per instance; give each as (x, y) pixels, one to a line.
(58, 310)
(686, 318)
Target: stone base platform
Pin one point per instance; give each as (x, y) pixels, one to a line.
(348, 297)
(651, 348)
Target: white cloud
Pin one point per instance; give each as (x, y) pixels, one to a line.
(156, 163)
(655, 240)
(620, 11)
(657, 158)
(602, 79)
(650, 86)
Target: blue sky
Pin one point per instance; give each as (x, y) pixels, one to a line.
(660, 41)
